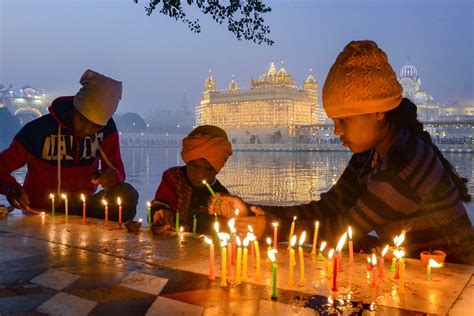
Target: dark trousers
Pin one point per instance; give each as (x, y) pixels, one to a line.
(96, 209)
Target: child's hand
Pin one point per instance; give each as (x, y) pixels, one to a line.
(227, 206)
(258, 222)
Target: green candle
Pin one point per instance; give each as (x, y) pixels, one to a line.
(177, 223)
(271, 255)
(194, 226)
(394, 264)
(53, 209)
(149, 214)
(212, 191)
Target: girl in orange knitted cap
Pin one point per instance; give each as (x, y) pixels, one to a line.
(205, 151)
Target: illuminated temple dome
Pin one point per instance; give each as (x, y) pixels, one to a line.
(269, 109)
(409, 71)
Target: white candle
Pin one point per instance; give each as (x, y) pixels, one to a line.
(315, 237)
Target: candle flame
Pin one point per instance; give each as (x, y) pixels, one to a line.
(148, 204)
(302, 238)
(119, 201)
(250, 228)
(207, 240)
(433, 263)
(223, 236)
(316, 224)
(51, 196)
(236, 212)
(269, 241)
(374, 259)
(341, 242)
(399, 254)
(349, 232)
(83, 198)
(42, 213)
(64, 196)
(330, 301)
(323, 245)
(294, 218)
(398, 240)
(251, 236)
(140, 220)
(224, 243)
(293, 241)
(237, 240)
(275, 224)
(231, 223)
(181, 229)
(246, 242)
(216, 226)
(271, 255)
(204, 182)
(369, 261)
(331, 254)
(384, 251)
(104, 202)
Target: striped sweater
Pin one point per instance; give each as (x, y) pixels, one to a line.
(408, 190)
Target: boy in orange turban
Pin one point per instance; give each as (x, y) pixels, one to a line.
(205, 151)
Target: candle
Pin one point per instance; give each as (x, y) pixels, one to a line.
(275, 234)
(119, 202)
(401, 284)
(351, 251)
(271, 255)
(194, 225)
(269, 247)
(292, 261)
(373, 283)
(292, 230)
(106, 213)
(211, 259)
(150, 220)
(177, 222)
(239, 261)
(257, 262)
(334, 273)
(330, 267)
(66, 209)
(223, 263)
(229, 259)
(431, 263)
(244, 272)
(300, 252)
(83, 198)
(382, 262)
(321, 249)
(251, 237)
(394, 262)
(315, 237)
(226, 238)
(43, 215)
(398, 254)
(340, 245)
(216, 231)
(218, 201)
(53, 209)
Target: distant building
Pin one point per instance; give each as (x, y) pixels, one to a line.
(180, 119)
(266, 112)
(28, 104)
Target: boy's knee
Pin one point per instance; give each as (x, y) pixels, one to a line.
(126, 192)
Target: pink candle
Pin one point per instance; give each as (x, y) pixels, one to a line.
(339, 247)
(119, 202)
(106, 213)
(211, 276)
(229, 260)
(382, 262)
(275, 234)
(339, 262)
(351, 251)
(373, 282)
(334, 273)
(83, 208)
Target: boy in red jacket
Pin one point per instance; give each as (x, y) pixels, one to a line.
(62, 152)
(205, 151)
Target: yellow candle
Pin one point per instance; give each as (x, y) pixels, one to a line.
(315, 238)
(431, 263)
(292, 230)
(257, 261)
(246, 251)
(292, 261)
(66, 209)
(401, 288)
(238, 278)
(224, 263)
(53, 209)
(300, 251)
(330, 267)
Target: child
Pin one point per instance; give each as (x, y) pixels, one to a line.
(397, 178)
(205, 151)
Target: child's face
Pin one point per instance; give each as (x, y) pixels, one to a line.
(360, 133)
(198, 170)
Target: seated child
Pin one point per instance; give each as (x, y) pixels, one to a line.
(205, 151)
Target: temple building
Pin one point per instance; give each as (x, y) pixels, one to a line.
(266, 112)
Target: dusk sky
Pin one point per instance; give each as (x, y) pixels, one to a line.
(48, 44)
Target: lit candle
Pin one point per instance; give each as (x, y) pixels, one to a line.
(53, 209)
(211, 259)
(66, 208)
(382, 262)
(119, 202)
(269, 247)
(106, 213)
(223, 263)
(275, 234)
(239, 261)
(401, 284)
(351, 250)
(150, 220)
(292, 230)
(177, 222)
(292, 261)
(271, 255)
(315, 238)
(300, 252)
(83, 198)
(431, 263)
(194, 225)
(226, 238)
(334, 273)
(216, 227)
(321, 249)
(257, 262)
(373, 277)
(43, 215)
(340, 245)
(330, 267)
(218, 201)
(398, 240)
(229, 259)
(251, 238)
(244, 272)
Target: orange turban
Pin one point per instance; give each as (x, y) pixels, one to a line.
(214, 149)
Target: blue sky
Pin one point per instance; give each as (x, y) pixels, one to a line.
(49, 43)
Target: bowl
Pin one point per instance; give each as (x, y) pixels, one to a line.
(133, 226)
(436, 255)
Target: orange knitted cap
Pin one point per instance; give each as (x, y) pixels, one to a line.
(361, 81)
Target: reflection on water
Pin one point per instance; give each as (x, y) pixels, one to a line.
(264, 177)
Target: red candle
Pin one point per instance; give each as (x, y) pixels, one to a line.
(382, 262)
(83, 208)
(211, 276)
(373, 283)
(106, 213)
(334, 273)
(119, 202)
(229, 260)
(339, 247)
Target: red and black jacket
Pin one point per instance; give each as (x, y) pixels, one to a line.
(36, 145)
